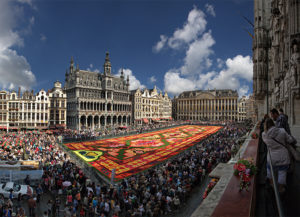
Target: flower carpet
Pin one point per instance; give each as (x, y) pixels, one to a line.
(133, 154)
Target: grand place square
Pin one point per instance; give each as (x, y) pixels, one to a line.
(149, 108)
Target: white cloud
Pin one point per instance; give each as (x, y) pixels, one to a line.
(197, 55)
(152, 79)
(176, 84)
(239, 67)
(15, 71)
(220, 63)
(134, 83)
(91, 68)
(160, 44)
(43, 37)
(243, 91)
(234, 73)
(192, 28)
(210, 9)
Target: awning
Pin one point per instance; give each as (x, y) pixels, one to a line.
(145, 120)
(60, 125)
(3, 127)
(13, 128)
(123, 127)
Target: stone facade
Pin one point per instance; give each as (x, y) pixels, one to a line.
(4, 98)
(276, 58)
(58, 106)
(28, 111)
(97, 99)
(207, 105)
(242, 113)
(250, 108)
(150, 106)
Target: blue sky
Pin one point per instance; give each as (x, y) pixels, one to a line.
(175, 45)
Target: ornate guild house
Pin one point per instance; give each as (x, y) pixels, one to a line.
(207, 105)
(150, 106)
(97, 99)
(276, 58)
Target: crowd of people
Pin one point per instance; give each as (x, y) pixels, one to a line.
(88, 134)
(155, 192)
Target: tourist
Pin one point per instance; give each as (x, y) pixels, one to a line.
(276, 140)
(280, 120)
(31, 205)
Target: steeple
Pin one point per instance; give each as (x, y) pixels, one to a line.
(122, 74)
(107, 65)
(71, 65)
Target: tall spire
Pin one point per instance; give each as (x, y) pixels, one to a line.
(122, 74)
(71, 65)
(107, 65)
(107, 57)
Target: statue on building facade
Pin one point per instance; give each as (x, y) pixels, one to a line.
(295, 65)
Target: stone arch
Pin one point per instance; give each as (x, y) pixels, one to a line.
(120, 119)
(83, 121)
(108, 106)
(128, 120)
(96, 122)
(124, 119)
(108, 121)
(89, 121)
(114, 119)
(102, 120)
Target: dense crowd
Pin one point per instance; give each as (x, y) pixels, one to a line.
(155, 192)
(88, 134)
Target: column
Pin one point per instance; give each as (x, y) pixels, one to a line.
(93, 123)
(79, 124)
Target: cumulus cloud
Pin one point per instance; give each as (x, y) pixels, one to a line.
(15, 71)
(191, 29)
(175, 84)
(152, 79)
(243, 91)
(195, 73)
(210, 9)
(197, 55)
(237, 69)
(134, 83)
